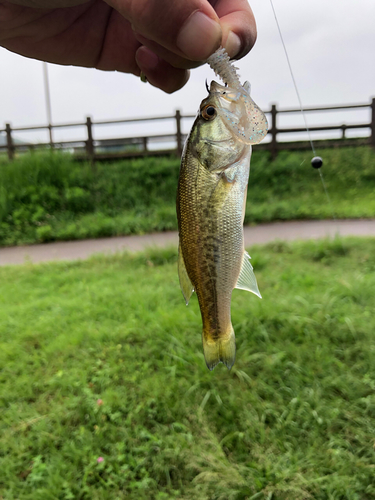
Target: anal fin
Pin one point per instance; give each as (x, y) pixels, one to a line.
(246, 279)
(186, 285)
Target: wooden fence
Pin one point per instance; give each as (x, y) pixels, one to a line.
(93, 149)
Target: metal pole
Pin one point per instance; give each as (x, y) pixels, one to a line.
(48, 101)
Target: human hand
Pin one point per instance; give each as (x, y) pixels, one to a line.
(161, 38)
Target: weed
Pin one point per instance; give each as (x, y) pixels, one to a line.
(104, 393)
(45, 197)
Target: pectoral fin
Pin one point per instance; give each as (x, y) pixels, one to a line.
(247, 279)
(185, 283)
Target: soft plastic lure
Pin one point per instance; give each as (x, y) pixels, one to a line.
(254, 129)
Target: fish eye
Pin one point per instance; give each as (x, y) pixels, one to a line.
(208, 112)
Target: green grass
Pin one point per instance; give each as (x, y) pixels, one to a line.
(45, 197)
(102, 358)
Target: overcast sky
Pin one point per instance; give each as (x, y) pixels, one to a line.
(331, 48)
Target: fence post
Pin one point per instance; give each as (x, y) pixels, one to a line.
(89, 142)
(273, 130)
(10, 146)
(178, 133)
(145, 140)
(372, 138)
(50, 136)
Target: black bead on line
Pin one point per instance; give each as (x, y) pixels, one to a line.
(316, 162)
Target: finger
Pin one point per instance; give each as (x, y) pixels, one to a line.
(118, 46)
(173, 59)
(238, 26)
(190, 29)
(159, 73)
(238, 33)
(46, 4)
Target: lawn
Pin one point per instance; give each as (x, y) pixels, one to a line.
(46, 197)
(104, 392)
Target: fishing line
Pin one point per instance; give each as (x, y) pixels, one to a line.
(317, 161)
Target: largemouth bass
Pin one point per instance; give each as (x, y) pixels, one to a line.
(211, 201)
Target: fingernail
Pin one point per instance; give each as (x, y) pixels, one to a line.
(233, 45)
(199, 37)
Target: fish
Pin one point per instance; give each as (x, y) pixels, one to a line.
(211, 200)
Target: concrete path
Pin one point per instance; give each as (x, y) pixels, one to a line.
(264, 233)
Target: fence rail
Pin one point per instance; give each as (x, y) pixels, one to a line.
(120, 147)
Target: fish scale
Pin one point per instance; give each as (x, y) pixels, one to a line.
(211, 200)
(206, 260)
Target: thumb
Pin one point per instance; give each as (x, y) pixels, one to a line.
(189, 28)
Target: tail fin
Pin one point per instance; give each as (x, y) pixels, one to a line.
(220, 351)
